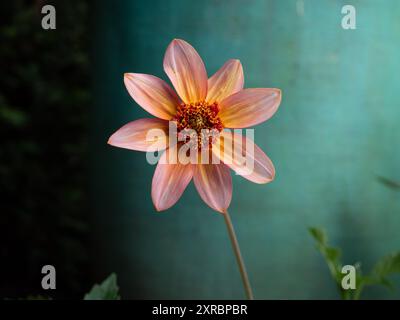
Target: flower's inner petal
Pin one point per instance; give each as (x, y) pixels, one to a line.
(142, 135)
(249, 107)
(214, 184)
(244, 157)
(152, 94)
(186, 71)
(226, 81)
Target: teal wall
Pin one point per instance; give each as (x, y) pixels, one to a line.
(337, 129)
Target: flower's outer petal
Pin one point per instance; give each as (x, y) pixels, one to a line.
(169, 181)
(142, 135)
(186, 71)
(214, 184)
(244, 157)
(152, 94)
(226, 81)
(249, 107)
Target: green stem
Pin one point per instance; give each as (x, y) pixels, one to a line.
(239, 259)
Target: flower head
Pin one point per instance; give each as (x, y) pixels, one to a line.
(199, 106)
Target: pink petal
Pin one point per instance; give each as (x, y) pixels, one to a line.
(226, 81)
(152, 94)
(257, 168)
(249, 107)
(142, 135)
(214, 184)
(169, 181)
(186, 71)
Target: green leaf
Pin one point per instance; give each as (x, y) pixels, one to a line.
(331, 254)
(387, 266)
(107, 290)
(379, 275)
(319, 235)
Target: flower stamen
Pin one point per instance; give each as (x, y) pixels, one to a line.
(200, 117)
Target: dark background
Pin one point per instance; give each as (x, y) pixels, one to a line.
(44, 107)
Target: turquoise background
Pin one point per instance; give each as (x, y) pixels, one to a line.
(337, 129)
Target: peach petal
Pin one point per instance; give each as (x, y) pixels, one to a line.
(249, 107)
(169, 181)
(186, 71)
(244, 157)
(226, 81)
(152, 94)
(214, 184)
(142, 135)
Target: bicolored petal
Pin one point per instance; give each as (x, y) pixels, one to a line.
(244, 157)
(152, 94)
(226, 81)
(214, 184)
(142, 135)
(249, 107)
(169, 181)
(186, 71)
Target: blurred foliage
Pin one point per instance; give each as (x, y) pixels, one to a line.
(391, 184)
(44, 100)
(385, 267)
(107, 290)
